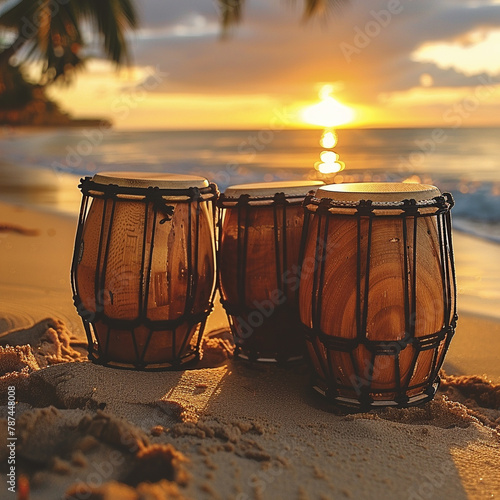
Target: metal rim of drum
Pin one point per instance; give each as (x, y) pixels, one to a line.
(424, 206)
(157, 197)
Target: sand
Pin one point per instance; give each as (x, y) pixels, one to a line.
(225, 429)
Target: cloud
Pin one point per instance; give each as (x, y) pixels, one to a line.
(272, 52)
(192, 25)
(376, 52)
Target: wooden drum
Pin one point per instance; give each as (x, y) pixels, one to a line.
(259, 243)
(143, 271)
(377, 292)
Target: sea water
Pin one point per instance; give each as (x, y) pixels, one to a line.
(43, 167)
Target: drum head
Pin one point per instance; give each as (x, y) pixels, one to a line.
(150, 179)
(292, 189)
(378, 191)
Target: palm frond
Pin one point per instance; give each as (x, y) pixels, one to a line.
(230, 13)
(63, 44)
(110, 20)
(20, 15)
(128, 10)
(55, 38)
(321, 7)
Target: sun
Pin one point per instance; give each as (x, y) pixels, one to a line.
(328, 112)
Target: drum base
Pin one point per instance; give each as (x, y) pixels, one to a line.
(278, 338)
(359, 405)
(184, 363)
(254, 357)
(145, 349)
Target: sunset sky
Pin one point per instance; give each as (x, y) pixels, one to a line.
(391, 62)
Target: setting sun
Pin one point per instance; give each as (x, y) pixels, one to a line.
(328, 139)
(247, 243)
(328, 112)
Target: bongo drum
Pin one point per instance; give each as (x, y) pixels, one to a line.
(143, 271)
(377, 291)
(259, 242)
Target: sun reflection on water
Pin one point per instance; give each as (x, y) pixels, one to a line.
(328, 139)
(329, 163)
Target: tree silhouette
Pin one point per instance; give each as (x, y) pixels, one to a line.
(50, 31)
(231, 10)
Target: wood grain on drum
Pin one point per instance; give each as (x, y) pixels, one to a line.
(259, 282)
(261, 228)
(136, 266)
(339, 274)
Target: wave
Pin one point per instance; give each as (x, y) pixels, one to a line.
(220, 157)
(477, 209)
(490, 232)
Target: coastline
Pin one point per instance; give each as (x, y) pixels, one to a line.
(226, 430)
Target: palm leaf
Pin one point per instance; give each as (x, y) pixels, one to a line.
(321, 7)
(110, 19)
(55, 38)
(230, 11)
(19, 14)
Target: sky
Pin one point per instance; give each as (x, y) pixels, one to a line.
(392, 63)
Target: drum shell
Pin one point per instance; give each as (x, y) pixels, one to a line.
(137, 268)
(389, 344)
(259, 277)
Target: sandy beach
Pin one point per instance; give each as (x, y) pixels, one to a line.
(184, 144)
(224, 429)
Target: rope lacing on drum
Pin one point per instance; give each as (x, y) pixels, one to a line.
(160, 204)
(280, 199)
(244, 199)
(365, 207)
(410, 207)
(444, 201)
(449, 199)
(356, 352)
(324, 206)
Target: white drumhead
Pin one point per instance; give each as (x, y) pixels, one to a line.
(378, 191)
(264, 189)
(150, 179)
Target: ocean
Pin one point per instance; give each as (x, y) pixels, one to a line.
(463, 161)
(42, 168)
